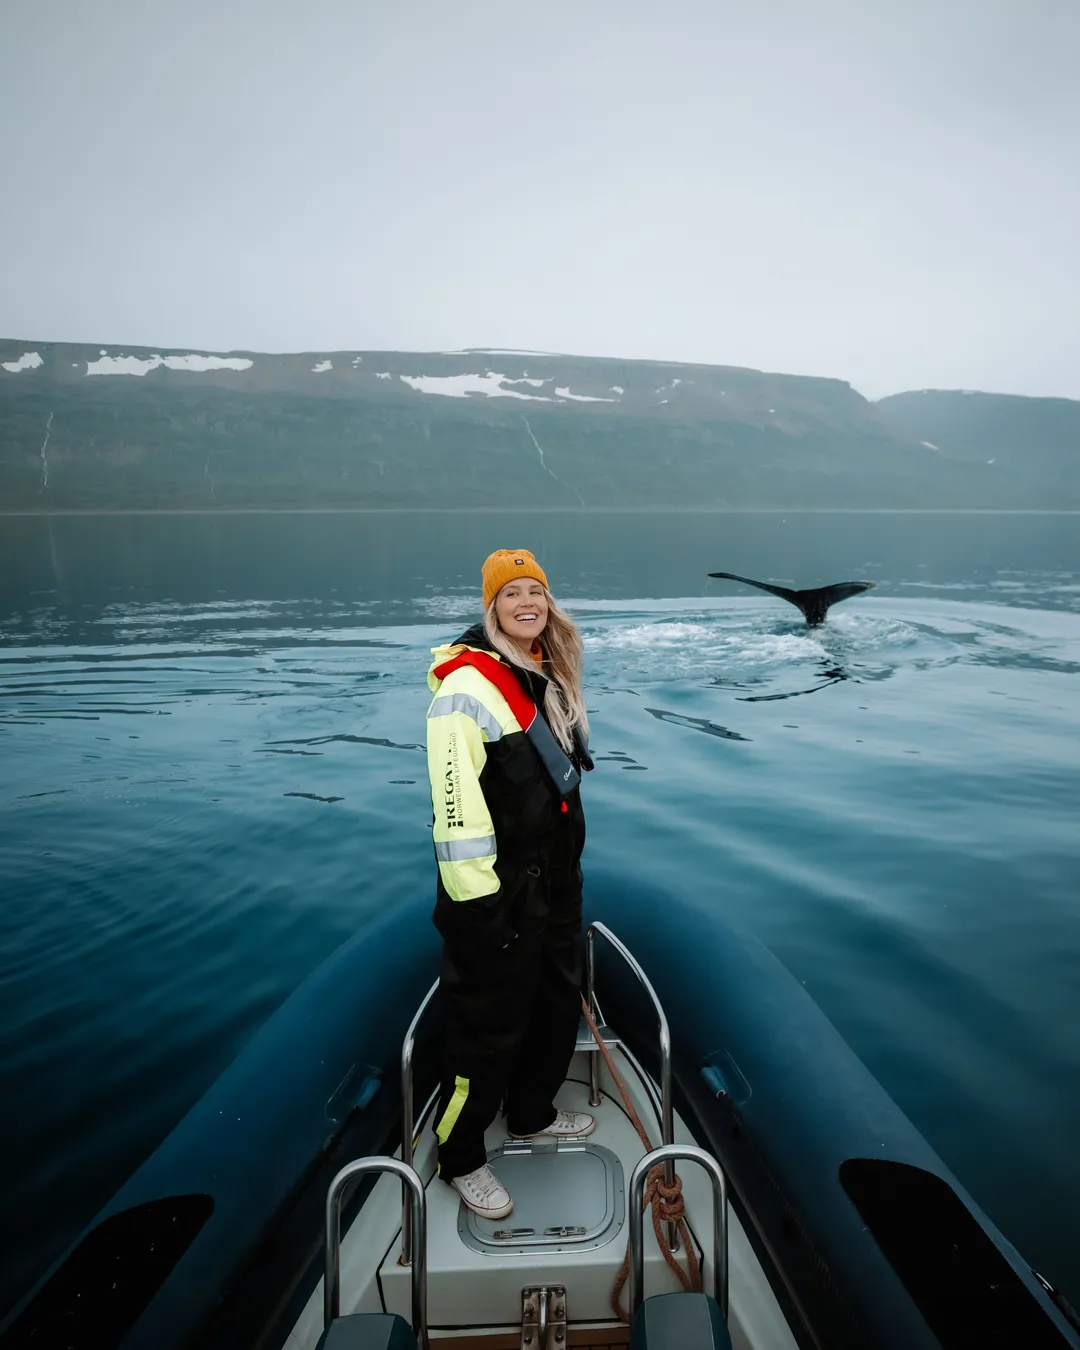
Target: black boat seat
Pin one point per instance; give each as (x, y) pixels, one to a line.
(368, 1331)
(680, 1322)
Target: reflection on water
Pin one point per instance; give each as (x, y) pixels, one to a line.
(697, 723)
(830, 674)
(357, 740)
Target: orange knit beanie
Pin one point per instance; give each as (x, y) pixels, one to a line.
(508, 564)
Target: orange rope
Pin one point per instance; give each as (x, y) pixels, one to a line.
(666, 1202)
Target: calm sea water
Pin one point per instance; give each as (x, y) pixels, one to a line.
(211, 774)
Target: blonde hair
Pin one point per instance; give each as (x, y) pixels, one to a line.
(564, 703)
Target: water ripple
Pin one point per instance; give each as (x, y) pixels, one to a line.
(905, 839)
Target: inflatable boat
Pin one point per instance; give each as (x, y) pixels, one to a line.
(296, 1206)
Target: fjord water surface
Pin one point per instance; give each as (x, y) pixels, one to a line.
(212, 772)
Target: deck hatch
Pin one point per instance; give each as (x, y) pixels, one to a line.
(567, 1197)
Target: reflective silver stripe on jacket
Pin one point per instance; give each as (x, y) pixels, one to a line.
(459, 850)
(472, 707)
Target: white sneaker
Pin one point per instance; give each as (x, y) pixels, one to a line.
(568, 1125)
(484, 1193)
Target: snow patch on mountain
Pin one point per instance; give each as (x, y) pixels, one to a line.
(138, 365)
(461, 386)
(28, 361)
(564, 392)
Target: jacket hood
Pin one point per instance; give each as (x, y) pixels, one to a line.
(477, 639)
(474, 638)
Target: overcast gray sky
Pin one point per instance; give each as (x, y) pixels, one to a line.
(886, 191)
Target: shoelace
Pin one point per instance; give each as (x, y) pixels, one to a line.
(485, 1183)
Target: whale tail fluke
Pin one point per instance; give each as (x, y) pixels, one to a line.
(813, 603)
(782, 591)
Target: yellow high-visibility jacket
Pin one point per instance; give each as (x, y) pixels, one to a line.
(504, 796)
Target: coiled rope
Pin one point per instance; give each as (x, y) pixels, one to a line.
(665, 1202)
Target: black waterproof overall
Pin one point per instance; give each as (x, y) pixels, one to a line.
(512, 963)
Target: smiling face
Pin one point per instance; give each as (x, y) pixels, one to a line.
(521, 609)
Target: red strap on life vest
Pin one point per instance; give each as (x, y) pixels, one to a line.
(501, 676)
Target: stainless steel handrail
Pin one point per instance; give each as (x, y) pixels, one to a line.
(414, 1187)
(407, 1120)
(667, 1110)
(648, 1084)
(635, 1283)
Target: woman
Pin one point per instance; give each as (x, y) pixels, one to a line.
(506, 745)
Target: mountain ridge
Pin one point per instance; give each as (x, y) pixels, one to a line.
(91, 426)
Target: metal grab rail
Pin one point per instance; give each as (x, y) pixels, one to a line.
(408, 1124)
(667, 1110)
(635, 1283)
(412, 1184)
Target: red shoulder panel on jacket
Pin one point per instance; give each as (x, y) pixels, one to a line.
(500, 675)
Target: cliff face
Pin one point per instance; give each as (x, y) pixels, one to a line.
(1037, 439)
(88, 427)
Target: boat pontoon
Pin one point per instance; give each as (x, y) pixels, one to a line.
(296, 1206)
